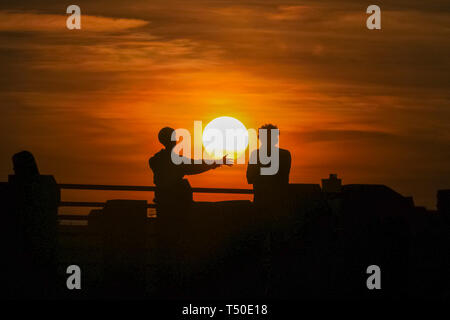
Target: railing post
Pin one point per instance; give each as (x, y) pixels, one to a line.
(124, 225)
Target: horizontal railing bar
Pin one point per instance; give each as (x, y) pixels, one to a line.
(222, 190)
(81, 204)
(147, 188)
(143, 188)
(91, 204)
(105, 187)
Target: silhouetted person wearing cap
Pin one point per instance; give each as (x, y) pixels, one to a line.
(173, 197)
(34, 208)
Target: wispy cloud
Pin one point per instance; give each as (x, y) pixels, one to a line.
(290, 12)
(32, 21)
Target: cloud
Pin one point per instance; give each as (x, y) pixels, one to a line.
(289, 13)
(31, 21)
(341, 135)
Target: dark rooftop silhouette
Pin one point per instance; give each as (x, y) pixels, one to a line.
(321, 242)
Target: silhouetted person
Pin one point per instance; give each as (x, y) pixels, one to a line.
(34, 207)
(171, 188)
(269, 189)
(173, 197)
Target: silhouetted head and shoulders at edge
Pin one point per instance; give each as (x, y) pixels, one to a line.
(24, 165)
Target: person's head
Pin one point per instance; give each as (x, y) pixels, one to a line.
(271, 139)
(165, 137)
(24, 164)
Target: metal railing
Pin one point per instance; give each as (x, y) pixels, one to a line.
(127, 188)
(102, 187)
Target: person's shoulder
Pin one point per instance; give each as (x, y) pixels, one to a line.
(156, 156)
(285, 152)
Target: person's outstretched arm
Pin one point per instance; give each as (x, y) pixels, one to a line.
(196, 168)
(193, 168)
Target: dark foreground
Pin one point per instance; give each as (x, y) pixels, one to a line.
(316, 246)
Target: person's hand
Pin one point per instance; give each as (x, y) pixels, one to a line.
(227, 162)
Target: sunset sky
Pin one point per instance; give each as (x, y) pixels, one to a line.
(372, 106)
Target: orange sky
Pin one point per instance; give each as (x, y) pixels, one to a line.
(372, 106)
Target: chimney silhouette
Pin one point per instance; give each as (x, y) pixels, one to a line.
(332, 184)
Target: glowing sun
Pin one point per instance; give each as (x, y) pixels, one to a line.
(225, 136)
